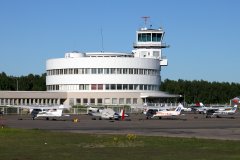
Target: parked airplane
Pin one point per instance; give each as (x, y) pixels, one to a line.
(185, 109)
(91, 110)
(110, 114)
(48, 113)
(220, 113)
(45, 111)
(165, 113)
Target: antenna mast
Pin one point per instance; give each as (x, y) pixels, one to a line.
(145, 19)
(102, 40)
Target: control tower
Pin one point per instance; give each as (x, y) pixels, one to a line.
(149, 44)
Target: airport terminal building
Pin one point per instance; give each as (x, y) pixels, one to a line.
(102, 78)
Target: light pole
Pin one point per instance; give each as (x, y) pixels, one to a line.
(183, 98)
(17, 84)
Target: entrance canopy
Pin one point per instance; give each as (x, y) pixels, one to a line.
(158, 94)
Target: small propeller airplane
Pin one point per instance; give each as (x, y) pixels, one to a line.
(46, 111)
(166, 113)
(110, 114)
(220, 113)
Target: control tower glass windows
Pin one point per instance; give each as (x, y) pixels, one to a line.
(149, 37)
(156, 37)
(144, 37)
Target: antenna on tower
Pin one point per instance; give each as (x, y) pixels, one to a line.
(145, 19)
(102, 40)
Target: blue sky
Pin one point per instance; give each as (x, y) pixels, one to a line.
(203, 35)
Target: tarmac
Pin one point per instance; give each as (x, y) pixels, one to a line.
(187, 125)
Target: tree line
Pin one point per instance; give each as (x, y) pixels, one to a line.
(202, 91)
(191, 91)
(23, 83)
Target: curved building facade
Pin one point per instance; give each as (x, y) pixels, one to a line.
(103, 72)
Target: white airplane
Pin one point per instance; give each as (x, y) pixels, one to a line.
(91, 110)
(166, 113)
(185, 109)
(45, 111)
(220, 113)
(110, 114)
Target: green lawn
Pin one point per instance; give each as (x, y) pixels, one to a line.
(18, 144)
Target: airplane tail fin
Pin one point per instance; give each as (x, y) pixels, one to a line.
(122, 114)
(59, 112)
(197, 103)
(234, 109)
(179, 108)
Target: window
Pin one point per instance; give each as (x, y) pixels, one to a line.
(107, 101)
(149, 87)
(134, 100)
(113, 70)
(125, 70)
(125, 87)
(135, 71)
(85, 100)
(87, 70)
(130, 86)
(99, 101)
(156, 37)
(144, 71)
(135, 86)
(61, 71)
(114, 100)
(94, 70)
(119, 70)
(107, 87)
(100, 70)
(130, 71)
(159, 36)
(119, 86)
(121, 100)
(100, 86)
(113, 86)
(145, 87)
(128, 101)
(140, 87)
(81, 86)
(93, 86)
(78, 101)
(149, 37)
(70, 71)
(144, 37)
(106, 70)
(86, 86)
(65, 71)
(80, 71)
(75, 71)
(92, 101)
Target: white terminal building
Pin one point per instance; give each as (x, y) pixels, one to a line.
(103, 78)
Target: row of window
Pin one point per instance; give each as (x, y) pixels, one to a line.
(30, 101)
(102, 87)
(149, 37)
(104, 101)
(103, 71)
